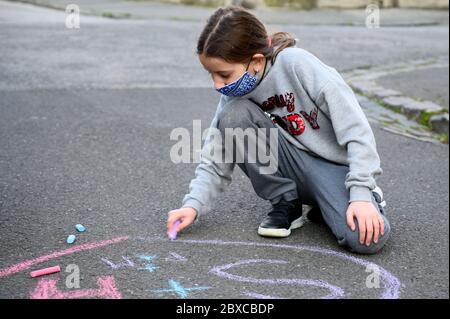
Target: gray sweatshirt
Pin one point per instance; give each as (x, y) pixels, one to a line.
(323, 117)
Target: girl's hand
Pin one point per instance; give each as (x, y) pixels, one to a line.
(186, 215)
(370, 222)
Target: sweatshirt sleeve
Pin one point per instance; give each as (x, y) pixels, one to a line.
(211, 176)
(352, 129)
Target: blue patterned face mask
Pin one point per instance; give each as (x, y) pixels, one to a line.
(245, 84)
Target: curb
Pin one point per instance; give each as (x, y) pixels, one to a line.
(439, 123)
(426, 113)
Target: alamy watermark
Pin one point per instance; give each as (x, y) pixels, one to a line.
(373, 279)
(373, 16)
(73, 279)
(233, 145)
(72, 16)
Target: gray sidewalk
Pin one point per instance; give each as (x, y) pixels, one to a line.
(420, 94)
(85, 123)
(269, 15)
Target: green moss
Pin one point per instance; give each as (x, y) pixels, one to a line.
(182, 19)
(396, 109)
(204, 3)
(425, 118)
(391, 121)
(443, 138)
(293, 4)
(301, 4)
(108, 15)
(116, 15)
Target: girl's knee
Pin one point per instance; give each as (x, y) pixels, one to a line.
(352, 241)
(242, 113)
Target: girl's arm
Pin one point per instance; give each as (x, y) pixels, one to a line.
(212, 175)
(353, 131)
(333, 95)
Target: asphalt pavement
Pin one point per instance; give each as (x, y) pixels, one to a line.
(85, 120)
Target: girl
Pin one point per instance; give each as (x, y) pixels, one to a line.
(327, 155)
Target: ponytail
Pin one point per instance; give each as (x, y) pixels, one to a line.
(280, 41)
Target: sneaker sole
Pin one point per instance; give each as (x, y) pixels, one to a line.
(282, 232)
(278, 233)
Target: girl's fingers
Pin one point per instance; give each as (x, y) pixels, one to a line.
(376, 228)
(381, 225)
(351, 220)
(185, 222)
(182, 225)
(169, 223)
(173, 217)
(369, 231)
(362, 230)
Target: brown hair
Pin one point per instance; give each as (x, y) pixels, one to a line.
(234, 35)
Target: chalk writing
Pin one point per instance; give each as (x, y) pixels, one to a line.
(335, 292)
(128, 263)
(178, 289)
(29, 263)
(389, 285)
(47, 289)
(148, 266)
(175, 257)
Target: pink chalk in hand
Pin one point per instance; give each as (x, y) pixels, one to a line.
(173, 231)
(45, 271)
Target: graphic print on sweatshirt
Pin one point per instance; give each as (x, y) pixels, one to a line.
(295, 122)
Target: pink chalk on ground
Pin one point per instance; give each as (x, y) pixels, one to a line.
(173, 231)
(45, 271)
(31, 262)
(47, 289)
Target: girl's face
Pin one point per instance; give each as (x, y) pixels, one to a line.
(223, 72)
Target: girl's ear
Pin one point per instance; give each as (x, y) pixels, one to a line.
(258, 61)
(257, 56)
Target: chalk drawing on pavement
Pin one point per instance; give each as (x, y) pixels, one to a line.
(108, 288)
(177, 289)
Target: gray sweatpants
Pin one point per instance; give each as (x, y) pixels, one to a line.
(301, 175)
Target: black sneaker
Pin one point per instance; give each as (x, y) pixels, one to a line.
(283, 217)
(315, 215)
